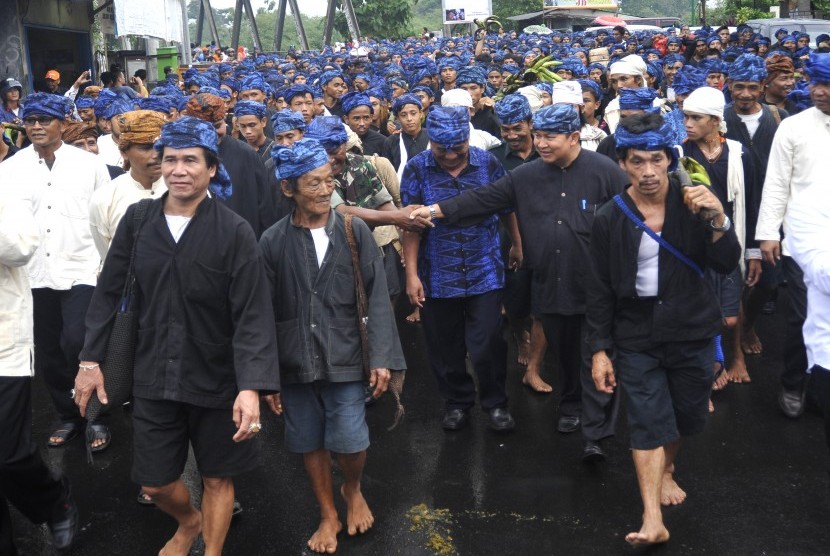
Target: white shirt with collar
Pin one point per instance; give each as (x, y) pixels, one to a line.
(806, 226)
(109, 152)
(109, 204)
(60, 202)
(800, 157)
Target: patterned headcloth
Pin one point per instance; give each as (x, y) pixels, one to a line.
(254, 81)
(352, 100)
(92, 91)
(187, 132)
(561, 118)
(748, 67)
(818, 68)
(596, 90)
(448, 62)
(117, 107)
(249, 108)
(286, 120)
(448, 126)
(207, 107)
(706, 100)
(328, 130)
(159, 103)
(82, 103)
(403, 100)
(296, 90)
(777, 64)
(299, 159)
(513, 109)
(327, 76)
(687, 80)
(424, 89)
(640, 98)
(672, 59)
(102, 103)
(75, 131)
(656, 140)
(471, 74)
(140, 126)
(46, 104)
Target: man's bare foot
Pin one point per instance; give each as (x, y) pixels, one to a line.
(184, 538)
(711, 406)
(523, 345)
(721, 378)
(534, 380)
(750, 344)
(648, 535)
(324, 539)
(414, 316)
(738, 372)
(670, 493)
(359, 518)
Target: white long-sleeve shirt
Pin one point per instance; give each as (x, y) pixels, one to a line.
(60, 202)
(800, 157)
(19, 238)
(110, 202)
(109, 152)
(808, 220)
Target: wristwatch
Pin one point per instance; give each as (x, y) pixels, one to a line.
(727, 224)
(432, 213)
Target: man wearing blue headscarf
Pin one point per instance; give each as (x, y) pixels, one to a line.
(320, 347)
(798, 160)
(61, 180)
(358, 113)
(208, 346)
(555, 198)
(455, 274)
(753, 124)
(251, 120)
(650, 308)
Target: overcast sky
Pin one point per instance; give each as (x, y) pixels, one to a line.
(307, 7)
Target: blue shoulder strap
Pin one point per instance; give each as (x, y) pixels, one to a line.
(662, 242)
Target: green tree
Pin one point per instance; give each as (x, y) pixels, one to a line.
(503, 9)
(390, 19)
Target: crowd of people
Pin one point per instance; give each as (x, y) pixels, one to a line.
(271, 210)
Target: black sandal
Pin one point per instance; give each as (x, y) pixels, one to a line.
(66, 432)
(99, 432)
(144, 499)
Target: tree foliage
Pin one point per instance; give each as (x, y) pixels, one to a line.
(503, 9)
(389, 19)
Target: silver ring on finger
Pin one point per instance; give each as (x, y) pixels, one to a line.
(254, 427)
(72, 393)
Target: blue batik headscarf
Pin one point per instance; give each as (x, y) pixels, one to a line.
(352, 100)
(249, 108)
(512, 109)
(47, 104)
(328, 130)
(286, 120)
(448, 126)
(299, 159)
(403, 100)
(559, 118)
(748, 67)
(656, 140)
(818, 68)
(84, 102)
(638, 98)
(187, 132)
(159, 103)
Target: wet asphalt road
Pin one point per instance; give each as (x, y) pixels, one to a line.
(757, 482)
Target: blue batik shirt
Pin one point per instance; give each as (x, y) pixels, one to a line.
(455, 261)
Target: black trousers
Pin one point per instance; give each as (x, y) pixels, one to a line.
(820, 385)
(457, 326)
(566, 336)
(795, 353)
(25, 481)
(59, 337)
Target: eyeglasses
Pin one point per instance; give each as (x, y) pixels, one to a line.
(42, 120)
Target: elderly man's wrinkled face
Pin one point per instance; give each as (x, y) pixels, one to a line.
(313, 191)
(648, 171)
